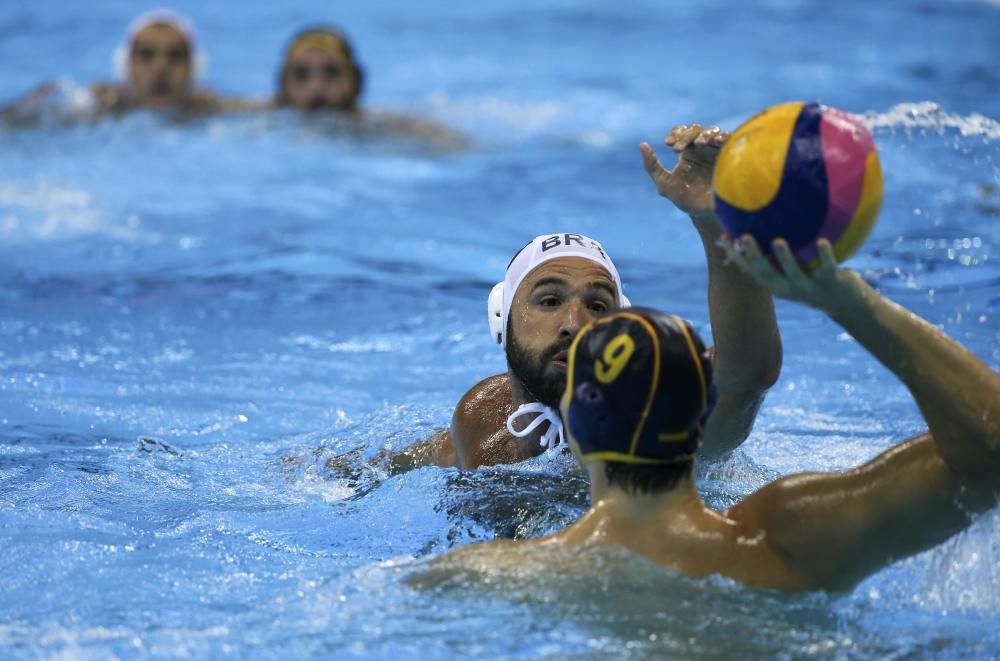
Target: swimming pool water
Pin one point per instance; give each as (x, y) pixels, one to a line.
(195, 317)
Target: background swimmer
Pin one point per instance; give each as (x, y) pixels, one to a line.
(320, 72)
(639, 387)
(553, 302)
(157, 65)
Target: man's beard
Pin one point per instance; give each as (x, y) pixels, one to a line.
(529, 370)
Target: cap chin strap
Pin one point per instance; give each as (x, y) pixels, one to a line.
(545, 414)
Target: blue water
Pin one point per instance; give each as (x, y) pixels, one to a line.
(253, 296)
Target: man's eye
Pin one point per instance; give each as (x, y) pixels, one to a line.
(146, 54)
(548, 301)
(598, 306)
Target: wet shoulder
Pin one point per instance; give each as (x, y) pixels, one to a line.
(489, 391)
(777, 542)
(478, 427)
(485, 407)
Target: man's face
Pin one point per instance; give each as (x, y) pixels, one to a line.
(553, 302)
(159, 66)
(316, 78)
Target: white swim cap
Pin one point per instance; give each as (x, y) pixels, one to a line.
(542, 249)
(179, 22)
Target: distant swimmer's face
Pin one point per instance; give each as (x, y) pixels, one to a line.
(317, 79)
(159, 66)
(553, 302)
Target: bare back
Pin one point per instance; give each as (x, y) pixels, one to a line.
(692, 540)
(809, 531)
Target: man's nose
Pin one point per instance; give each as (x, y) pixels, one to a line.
(161, 63)
(314, 86)
(572, 319)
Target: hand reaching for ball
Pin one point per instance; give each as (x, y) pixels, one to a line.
(689, 184)
(827, 287)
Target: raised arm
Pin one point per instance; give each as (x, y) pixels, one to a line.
(835, 529)
(747, 342)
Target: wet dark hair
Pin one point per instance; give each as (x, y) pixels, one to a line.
(281, 97)
(640, 479)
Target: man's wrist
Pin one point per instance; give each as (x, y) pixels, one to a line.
(708, 226)
(852, 296)
(704, 217)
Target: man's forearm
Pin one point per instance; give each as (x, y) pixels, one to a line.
(744, 328)
(747, 345)
(957, 393)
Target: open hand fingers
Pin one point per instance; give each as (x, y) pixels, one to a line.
(781, 273)
(684, 135)
(745, 254)
(681, 136)
(827, 260)
(652, 164)
(761, 266)
(793, 271)
(672, 135)
(713, 136)
(733, 254)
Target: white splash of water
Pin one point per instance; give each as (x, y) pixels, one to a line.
(929, 115)
(49, 212)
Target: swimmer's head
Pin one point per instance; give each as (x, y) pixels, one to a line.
(553, 287)
(638, 393)
(319, 72)
(159, 59)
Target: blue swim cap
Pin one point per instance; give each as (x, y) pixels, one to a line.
(639, 388)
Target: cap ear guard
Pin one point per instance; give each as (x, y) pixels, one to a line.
(119, 62)
(494, 308)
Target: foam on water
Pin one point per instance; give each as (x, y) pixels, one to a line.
(929, 115)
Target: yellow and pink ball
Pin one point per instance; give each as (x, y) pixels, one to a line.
(801, 172)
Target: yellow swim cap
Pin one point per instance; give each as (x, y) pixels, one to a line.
(327, 41)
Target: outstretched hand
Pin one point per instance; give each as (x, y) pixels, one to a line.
(689, 184)
(821, 288)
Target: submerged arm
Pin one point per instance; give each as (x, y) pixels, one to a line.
(432, 133)
(747, 341)
(477, 437)
(26, 108)
(437, 450)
